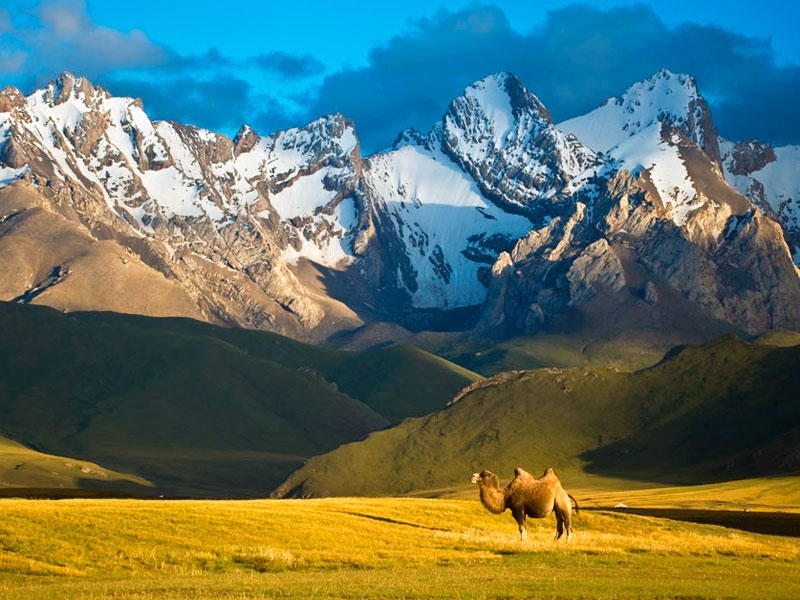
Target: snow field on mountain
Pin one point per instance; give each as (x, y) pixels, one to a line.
(9, 174)
(63, 116)
(781, 181)
(170, 187)
(437, 208)
(647, 150)
(303, 197)
(665, 95)
(332, 244)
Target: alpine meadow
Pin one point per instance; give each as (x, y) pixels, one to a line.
(420, 300)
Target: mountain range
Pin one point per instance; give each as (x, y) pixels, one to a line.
(636, 215)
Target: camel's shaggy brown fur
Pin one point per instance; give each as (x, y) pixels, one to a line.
(528, 496)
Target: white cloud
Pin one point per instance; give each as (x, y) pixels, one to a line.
(62, 37)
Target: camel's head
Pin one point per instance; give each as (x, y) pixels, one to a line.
(483, 477)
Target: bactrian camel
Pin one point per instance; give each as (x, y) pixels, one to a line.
(528, 496)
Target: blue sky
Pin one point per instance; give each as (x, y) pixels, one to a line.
(389, 66)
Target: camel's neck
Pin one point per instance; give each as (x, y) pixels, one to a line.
(493, 499)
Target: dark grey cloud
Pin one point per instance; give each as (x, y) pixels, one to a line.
(219, 104)
(410, 80)
(579, 57)
(289, 66)
(210, 60)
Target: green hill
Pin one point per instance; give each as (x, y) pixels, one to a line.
(714, 412)
(607, 332)
(625, 352)
(397, 381)
(624, 349)
(198, 409)
(23, 468)
(778, 337)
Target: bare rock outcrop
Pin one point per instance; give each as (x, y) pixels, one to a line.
(496, 206)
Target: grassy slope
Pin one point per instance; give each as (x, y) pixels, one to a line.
(363, 548)
(177, 409)
(21, 467)
(398, 381)
(549, 350)
(768, 493)
(196, 409)
(612, 331)
(779, 337)
(720, 411)
(627, 350)
(757, 494)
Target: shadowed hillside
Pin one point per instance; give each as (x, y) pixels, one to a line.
(398, 381)
(723, 410)
(194, 408)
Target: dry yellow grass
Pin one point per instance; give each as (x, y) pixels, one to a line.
(352, 547)
(761, 494)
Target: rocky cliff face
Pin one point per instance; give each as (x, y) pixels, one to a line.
(664, 221)
(624, 255)
(218, 217)
(770, 178)
(504, 137)
(495, 205)
(453, 199)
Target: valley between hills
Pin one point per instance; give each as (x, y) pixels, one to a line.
(215, 321)
(184, 408)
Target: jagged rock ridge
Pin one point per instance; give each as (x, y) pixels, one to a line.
(495, 197)
(770, 177)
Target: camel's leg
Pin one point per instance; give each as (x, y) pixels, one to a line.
(559, 524)
(519, 516)
(563, 510)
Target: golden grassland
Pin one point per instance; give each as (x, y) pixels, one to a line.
(361, 548)
(758, 494)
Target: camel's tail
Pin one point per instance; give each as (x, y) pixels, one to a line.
(577, 512)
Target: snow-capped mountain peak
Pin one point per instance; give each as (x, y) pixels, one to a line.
(498, 107)
(492, 113)
(667, 98)
(502, 135)
(68, 86)
(419, 226)
(652, 128)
